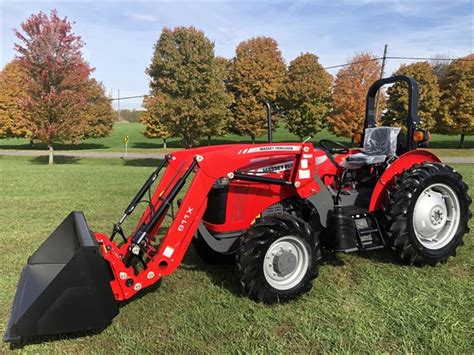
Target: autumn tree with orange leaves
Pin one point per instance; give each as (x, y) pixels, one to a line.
(457, 99)
(397, 103)
(349, 95)
(259, 71)
(13, 118)
(98, 116)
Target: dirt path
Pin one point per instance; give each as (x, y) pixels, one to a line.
(37, 153)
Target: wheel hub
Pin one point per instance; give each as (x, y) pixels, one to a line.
(436, 216)
(284, 263)
(429, 213)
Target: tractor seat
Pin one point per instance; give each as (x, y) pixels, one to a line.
(379, 143)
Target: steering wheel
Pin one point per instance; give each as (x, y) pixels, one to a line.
(333, 147)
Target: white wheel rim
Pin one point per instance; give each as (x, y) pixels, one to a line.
(286, 262)
(436, 216)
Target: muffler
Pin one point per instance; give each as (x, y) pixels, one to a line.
(65, 286)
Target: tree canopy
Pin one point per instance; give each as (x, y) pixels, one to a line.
(349, 94)
(13, 118)
(258, 74)
(187, 83)
(57, 78)
(152, 119)
(306, 95)
(98, 116)
(457, 98)
(397, 103)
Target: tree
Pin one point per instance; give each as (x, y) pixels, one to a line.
(130, 115)
(306, 95)
(187, 83)
(259, 71)
(57, 78)
(457, 99)
(397, 103)
(151, 118)
(440, 66)
(98, 115)
(13, 119)
(226, 66)
(349, 94)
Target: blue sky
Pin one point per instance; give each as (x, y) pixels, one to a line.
(120, 35)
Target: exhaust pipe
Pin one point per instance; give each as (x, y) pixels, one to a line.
(65, 286)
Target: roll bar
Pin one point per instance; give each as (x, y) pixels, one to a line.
(413, 120)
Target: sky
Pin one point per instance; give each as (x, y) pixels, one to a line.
(120, 35)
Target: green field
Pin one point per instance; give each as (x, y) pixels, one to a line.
(360, 303)
(443, 145)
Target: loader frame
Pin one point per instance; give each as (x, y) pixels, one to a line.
(164, 259)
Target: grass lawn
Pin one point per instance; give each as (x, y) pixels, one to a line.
(360, 302)
(442, 145)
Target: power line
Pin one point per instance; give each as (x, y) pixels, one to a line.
(351, 63)
(331, 67)
(424, 58)
(129, 97)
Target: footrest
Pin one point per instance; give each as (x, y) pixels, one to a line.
(369, 235)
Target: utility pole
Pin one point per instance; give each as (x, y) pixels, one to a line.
(382, 69)
(118, 105)
(384, 58)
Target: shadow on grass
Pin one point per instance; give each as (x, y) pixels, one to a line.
(225, 140)
(158, 144)
(222, 275)
(226, 275)
(450, 144)
(58, 159)
(52, 338)
(383, 256)
(152, 162)
(57, 146)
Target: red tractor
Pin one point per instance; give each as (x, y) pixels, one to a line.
(271, 208)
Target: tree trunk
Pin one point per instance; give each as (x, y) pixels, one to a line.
(164, 143)
(208, 140)
(253, 139)
(461, 143)
(51, 157)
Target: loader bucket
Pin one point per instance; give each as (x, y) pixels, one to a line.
(64, 287)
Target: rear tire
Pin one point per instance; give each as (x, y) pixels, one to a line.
(278, 258)
(427, 213)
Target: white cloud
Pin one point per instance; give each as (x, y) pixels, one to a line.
(141, 17)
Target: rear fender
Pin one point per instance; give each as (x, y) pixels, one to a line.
(405, 161)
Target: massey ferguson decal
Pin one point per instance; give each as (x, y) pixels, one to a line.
(271, 148)
(275, 168)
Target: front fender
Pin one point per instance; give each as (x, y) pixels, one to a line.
(403, 162)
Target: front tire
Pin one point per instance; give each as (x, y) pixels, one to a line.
(278, 258)
(427, 213)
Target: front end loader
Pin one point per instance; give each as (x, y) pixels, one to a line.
(268, 208)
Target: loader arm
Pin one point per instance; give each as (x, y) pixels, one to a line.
(202, 167)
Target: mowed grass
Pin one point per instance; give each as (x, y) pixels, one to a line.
(359, 303)
(138, 143)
